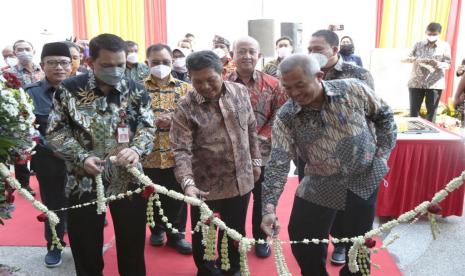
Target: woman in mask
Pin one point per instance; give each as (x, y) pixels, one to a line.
(347, 51)
(284, 48)
(179, 64)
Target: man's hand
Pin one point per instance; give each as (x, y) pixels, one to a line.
(164, 120)
(195, 192)
(270, 225)
(127, 157)
(257, 171)
(93, 165)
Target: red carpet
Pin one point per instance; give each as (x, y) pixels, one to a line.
(25, 230)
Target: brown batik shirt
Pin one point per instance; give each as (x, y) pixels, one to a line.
(215, 142)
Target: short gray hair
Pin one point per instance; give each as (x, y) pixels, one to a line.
(309, 64)
(248, 39)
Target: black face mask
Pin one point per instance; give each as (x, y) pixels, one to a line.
(347, 49)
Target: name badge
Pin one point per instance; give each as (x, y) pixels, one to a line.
(123, 134)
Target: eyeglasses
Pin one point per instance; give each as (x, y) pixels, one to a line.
(55, 63)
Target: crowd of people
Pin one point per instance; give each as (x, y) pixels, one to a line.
(211, 125)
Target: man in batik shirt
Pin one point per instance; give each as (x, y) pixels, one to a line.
(96, 116)
(266, 97)
(135, 70)
(324, 44)
(27, 72)
(326, 124)
(430, 58)
(165, 92)
(222, 47)
(214, 140)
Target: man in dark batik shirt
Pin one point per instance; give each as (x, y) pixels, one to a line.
(326, 124)
(326, 43)
(96, 116)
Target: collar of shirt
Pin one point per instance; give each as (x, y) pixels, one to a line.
(47, 86)
(425, 43)
(20, 68)
(151, 84)
(235, 76)
(201, 99)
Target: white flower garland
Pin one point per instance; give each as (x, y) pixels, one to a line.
(358, 253)
(53, 219)
(280, 261)
(101, 206)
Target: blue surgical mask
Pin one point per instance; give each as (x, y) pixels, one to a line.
(110, 75)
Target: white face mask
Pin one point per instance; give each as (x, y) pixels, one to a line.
(132, 58)
(11, 61)
(320, 58)
(284, 52)
(219, 52)
(179, 65)
(160, 71)
(24, 57)
(432, 38)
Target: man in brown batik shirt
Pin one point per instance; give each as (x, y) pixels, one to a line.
(214, 140)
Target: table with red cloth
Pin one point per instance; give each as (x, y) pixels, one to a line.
(420, 165)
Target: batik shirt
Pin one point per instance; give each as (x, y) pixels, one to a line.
(84, 123)
(139, 72)
(428, 76)
(340, 151)
(164, 100)
(266, 96)
(271, 68)
(345, 70)
(215, 142)
(25, 76)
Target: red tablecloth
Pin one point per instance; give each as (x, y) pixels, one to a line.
(420, 165)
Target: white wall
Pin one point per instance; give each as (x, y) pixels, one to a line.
(26, 19)
(205, 18)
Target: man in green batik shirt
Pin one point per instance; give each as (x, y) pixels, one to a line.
(135, 70)
(96, 116)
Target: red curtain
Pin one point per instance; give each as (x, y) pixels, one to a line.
(79, 19)
(155, 22)
(453, 26)
(379, 19)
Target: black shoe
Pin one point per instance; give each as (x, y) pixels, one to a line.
(339, 255)
(30, 190)
(157, 238)
(262, 250)
(53, 258)
(181, 245)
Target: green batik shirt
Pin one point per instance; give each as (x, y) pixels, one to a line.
(84, 123)
(139, 72)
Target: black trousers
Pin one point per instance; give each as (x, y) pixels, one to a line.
(22, 174)
(257, 208)
(175, 210)
(431, 96)
(337, 230)
(233, 212)
(85, 232)
(52, 193)
(309, 220)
